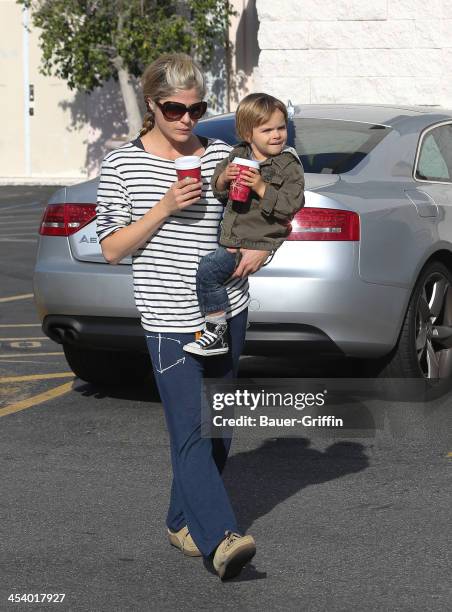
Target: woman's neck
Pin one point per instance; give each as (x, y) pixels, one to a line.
(155, 142)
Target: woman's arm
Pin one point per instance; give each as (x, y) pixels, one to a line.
(127, 240)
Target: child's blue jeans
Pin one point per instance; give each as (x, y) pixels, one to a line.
(213, 271)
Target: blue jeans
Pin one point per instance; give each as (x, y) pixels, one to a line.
(198, 496)
(213, 271)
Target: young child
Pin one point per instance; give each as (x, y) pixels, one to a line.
(261, 223)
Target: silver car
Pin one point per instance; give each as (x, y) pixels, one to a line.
(366, 271)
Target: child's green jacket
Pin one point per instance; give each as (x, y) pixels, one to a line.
(262, 223)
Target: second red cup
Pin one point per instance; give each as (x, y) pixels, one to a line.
(189, 165)
(239, 192)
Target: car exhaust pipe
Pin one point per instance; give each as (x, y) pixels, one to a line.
(70, 335)
(56, 334)
(61, 334)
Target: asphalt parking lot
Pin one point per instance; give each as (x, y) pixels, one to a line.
(345, 523)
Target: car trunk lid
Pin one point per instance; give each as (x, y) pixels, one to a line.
(313, 182)
(85, 246)
(85, 243)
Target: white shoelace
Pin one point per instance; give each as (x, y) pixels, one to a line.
(207, 338)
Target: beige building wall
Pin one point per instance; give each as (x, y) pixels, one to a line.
(12, 133)
(56, 146)
(37, 143)
(64, 139)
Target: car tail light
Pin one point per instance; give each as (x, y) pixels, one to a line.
(66, 219)
(325, 224)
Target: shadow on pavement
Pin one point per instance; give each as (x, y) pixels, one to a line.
(260, 479)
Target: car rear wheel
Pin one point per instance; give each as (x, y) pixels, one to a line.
(108, 367)
(424, 348)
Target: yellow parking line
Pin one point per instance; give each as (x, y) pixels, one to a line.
(29, 354)
(10, 379)
(24, 296)
(37, 399)
(21, 325)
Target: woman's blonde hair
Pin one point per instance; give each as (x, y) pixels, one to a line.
(254, 110)
(167, 74)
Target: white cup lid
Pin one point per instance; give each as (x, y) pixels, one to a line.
(187, 162)
(241, 161)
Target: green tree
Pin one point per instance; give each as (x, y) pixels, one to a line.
(87, 42)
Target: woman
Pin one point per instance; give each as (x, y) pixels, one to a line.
(167, 226)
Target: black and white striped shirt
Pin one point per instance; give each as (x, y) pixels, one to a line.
(164, 270)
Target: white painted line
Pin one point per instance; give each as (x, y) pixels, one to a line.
(6, 356)
(23, 229)
(23, 216)
(14, 232)
(15, 339)
(18, 240)
(26, 361)
(16, 206)
(21, 223)
(17, 235)
(13, 298)
(20, 325)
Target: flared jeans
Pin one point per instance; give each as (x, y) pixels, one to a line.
(198, 495)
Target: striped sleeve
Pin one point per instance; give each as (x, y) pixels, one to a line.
(114, 208)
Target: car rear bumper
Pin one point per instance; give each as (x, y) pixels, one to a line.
(126, 334)
(309, 299)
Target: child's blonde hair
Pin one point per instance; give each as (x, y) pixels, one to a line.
(167, 74)
(254, 110)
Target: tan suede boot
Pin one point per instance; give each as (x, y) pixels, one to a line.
(183, 541)
(232, 554)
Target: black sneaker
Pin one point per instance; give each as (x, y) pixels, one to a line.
(212, 342)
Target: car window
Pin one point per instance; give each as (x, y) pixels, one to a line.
(435, 156)
(327, 146)
(222, 129)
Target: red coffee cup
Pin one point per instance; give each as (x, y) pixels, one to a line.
(189, 165)
(239, 192)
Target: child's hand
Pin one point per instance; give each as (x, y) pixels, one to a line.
(252, 178)
(230, 173)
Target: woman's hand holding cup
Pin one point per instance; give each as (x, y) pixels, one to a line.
(188, 188)
(182, 194)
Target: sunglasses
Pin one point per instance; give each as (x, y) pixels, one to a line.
(173, 111)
